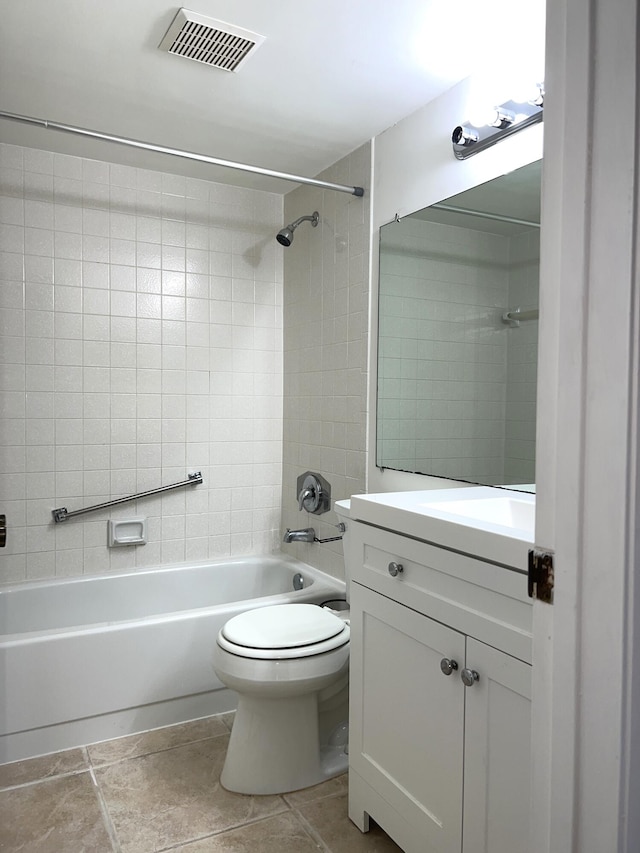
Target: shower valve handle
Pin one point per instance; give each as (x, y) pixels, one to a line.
(314, 493)
(306, 494)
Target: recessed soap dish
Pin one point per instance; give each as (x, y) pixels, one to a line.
(127, 531)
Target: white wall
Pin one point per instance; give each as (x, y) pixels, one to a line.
(414, 167)
(140, 339)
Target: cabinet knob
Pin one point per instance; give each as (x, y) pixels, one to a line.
(447, 665)
(395, 569)
(469, 677)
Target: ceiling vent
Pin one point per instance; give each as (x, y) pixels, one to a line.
(207, 40)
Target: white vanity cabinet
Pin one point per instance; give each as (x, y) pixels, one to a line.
(443, 767)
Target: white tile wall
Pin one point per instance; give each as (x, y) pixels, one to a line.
(140, 339)
(325, 343)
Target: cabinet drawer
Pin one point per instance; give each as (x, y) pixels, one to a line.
(482, 600)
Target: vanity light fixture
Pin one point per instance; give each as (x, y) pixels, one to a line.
(499, 122)
(464, 136)
(499, 117)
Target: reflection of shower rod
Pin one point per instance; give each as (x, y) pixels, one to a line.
(513, 318)
(482, 214)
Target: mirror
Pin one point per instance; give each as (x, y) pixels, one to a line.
(458, 335)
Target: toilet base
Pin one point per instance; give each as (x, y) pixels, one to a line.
(274, 747)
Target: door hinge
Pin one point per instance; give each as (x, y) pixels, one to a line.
(540, 577)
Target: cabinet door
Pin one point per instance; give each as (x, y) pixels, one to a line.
(497, 753)
(407, 717)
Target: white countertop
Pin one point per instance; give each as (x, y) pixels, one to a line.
(492, 524)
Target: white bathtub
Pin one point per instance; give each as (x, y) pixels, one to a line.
(91, 658)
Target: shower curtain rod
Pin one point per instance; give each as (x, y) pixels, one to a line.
(176, 152)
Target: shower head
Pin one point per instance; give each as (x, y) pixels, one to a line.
(285, 235)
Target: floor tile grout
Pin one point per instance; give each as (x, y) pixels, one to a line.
(221, 831)
(100, 764)
(45, 779)
(106, 817)
(312, 800)
(315, 835)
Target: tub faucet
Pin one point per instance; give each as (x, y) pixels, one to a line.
(307, 534)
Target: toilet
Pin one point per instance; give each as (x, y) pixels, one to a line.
(289, 665)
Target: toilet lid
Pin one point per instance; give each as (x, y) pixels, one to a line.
(283, 626)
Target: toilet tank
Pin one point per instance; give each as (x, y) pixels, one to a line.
(342, 509)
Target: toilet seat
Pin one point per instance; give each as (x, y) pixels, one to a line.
(283, 631)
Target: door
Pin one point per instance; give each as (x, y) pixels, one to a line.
(497, 753)
(407, 717)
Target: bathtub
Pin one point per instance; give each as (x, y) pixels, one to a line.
(91, 658)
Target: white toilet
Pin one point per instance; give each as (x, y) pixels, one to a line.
(289, 665)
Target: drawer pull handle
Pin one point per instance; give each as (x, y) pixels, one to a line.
(395, 569)
(469, 677)
(448, 666)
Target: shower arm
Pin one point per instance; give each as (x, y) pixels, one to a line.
(176, 152)
(313, 219)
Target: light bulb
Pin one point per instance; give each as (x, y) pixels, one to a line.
(482, 115)
(492, 117)
(538, 95)
(528, 93)
(501, 118)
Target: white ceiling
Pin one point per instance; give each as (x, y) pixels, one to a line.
(330, 75)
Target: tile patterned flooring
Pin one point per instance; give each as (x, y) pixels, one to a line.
(161, 791)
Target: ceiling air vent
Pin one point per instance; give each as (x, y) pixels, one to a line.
(207, 40)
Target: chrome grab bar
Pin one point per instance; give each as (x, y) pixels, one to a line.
(61, 514)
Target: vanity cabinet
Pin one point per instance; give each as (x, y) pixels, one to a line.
(443, 767)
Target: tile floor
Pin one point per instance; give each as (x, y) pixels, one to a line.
(161, 791)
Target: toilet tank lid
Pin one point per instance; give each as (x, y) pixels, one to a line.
(282, 626)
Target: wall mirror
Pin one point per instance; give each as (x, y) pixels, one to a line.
(458, 335)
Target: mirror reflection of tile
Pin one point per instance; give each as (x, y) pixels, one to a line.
(456, 383)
